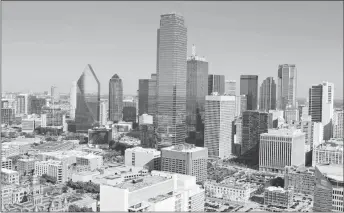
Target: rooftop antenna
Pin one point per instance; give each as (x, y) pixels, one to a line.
(193, 50)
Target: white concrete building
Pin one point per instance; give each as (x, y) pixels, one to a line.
(280, 148)
(230, 87)
(301, 179)
(313, 132)
(185, 159)
(329, 152)
(228, 191)
(291, 115)
(146, 119)
(84, 176)
(6, 163)
(160, 191)
(9, 176)
(73, 92)
(338, 124)
(52, 168)
(143, 157)
(219, 115)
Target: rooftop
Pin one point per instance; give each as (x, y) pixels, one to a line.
(141, 183)
(184, 148)
(8, 171)
(160, 198)
(146, 150)
(274, 188)
(333, 171)
(284, 132)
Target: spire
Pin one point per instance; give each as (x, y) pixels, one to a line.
(193, 50)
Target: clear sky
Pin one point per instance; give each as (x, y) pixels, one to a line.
(50, 43)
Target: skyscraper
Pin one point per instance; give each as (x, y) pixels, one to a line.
(88, 100)
(254, 123)
(143, 96)
(103, 112)
(152, 95)
(171, 80)
(338, 124)
(287, 85)
(219, 115)
(196, 89)
(267, 95)
(321, 106)
(115, 98)
(249, 87)
(22, 104)
(55, 95)
(216, 83)
(73, 92)
(230, 87)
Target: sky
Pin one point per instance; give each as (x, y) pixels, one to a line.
(50, 43)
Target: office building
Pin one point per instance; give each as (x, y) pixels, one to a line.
(129, 111)
(73, 99)
(185, 159)
(277, 118)
(25, 166)
(267, 98)
(103, 112)
(338, 124)
(99, 137)
(160, 191)
(56, 169)
(249, 87)
(216, 83)
(313, 132)
(230, 87)
(143, 96)
(219, 115)
(6, 163)
(330, 152)
(240, 104)
(237, 192)
(152, 95)
(279, 197)
(301, 179)
(147, 135)
(146, 119)
(287, 86)
(171, 80)
(115, 98)
(55, 95)
(9, 176)
(36, 105)
(321, 106)
(291, 115)
(281, 148)
(149, 159)
(328, 193)
(196, 90)
(237, 136)
(254, 123)
(88, 100)
(22, 104)
(7, 116)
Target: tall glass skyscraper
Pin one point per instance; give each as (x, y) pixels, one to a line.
(249, 87)
(152, 95)
(143, 96)
(216, 83)
(87, 100)
(267, 97)
(287, 85)
(115, 99)
(171, 80)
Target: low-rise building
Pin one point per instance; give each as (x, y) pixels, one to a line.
(160, 191)
(328, 193)
(279, 197)
(239, 192)
(52, 168)
(25, 166)
(301, 179)
(9, 176)
(84, 176)
(143, 157)
(328, 152)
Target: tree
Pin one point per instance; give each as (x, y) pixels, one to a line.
(64, 189)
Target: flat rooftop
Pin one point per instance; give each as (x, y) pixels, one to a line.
(286, 132)
(141, 183)
(333, 171)
(184, 148)
(145, 150)
(8, 171)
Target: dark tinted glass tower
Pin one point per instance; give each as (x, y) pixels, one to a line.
(143, 96)
(115, 99)
(249, 87)
(287, 85)
(216, 83)
(267, 98)
(88, 100)
(171, 80)
(152, 95)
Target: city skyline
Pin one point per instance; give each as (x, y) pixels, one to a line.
(300, 52)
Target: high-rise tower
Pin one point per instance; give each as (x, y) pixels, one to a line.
(143, 96)
(249, 87)
(115, 99)
(216, 83)
(88, 100)
(267, 98)
(287, 85)
(72, 100)
(171, 79)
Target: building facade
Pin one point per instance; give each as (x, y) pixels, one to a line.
(9, 176)
(143, 157)
(338, 124)
(143, 96)
(230, 87)
(277, 196)
(301, 179)
(287, 86)
(329, 152)
(249, 87)
(115, 98)
(267, 98)
(219, 115)
(216, 83)
(228, 191)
